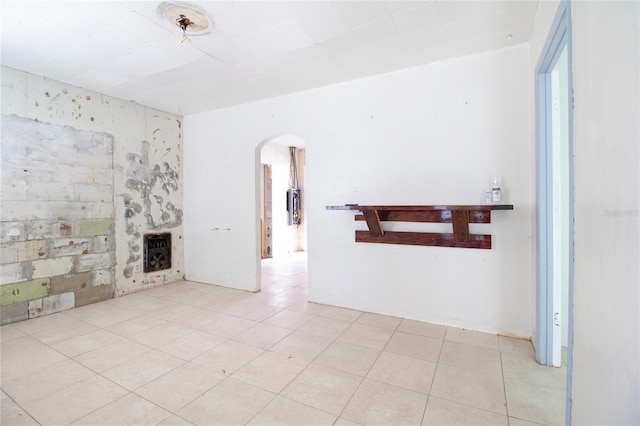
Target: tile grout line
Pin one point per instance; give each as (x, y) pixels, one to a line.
(424, 413)
(279, 394)
(504, 385)
(362, 379)
(291, 331)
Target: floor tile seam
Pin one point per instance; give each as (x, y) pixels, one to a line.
(275, 395)
(279, 393)
(531, 379)
(60, 362)
(130, 359)
(190, 359)
(218, 335)
(501, 338)
(334, 339)
(270, 286)
(278, 354)
(533, 383)
(74, 384)
(61, 327)
(544, 369)
(499, 360)
(490, 376)
(470, 345)
(426, 394)
(501, 413)
(292, 329)
(4, 342)
(526, 420)
(372, 364)
(341, 415)
(255, 325)
(65, 313)
(195, 291)
(163, 343)
(161, 297)
(364, 346)
(67, 358)
(309, 362)
(280, 339)
(93, 348)
(350, 321)
(540, 369)
(362, 379)
(258, 304)
(450, 327)
(395, 329)
(176, 305)
(475, 370)
(504, 387)
(431, 336)
(4, 357)
(199, 326)
(441, 339)
(389, 350)
(471, 406)
(297, 402)
(149, 349)
(17, 410)
(11, 326)
(433, 378)
(224, 372)
(135, 392)
(191, 305)
(281, 307)
(118, 399)
(216, 309)
(128, 305)
(14, 401)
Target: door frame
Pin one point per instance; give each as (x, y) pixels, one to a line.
(559, 37)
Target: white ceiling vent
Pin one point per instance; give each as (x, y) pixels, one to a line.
(184, 17)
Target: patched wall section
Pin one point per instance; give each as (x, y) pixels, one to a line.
(145, 193)
(152, 200)
(57, 218)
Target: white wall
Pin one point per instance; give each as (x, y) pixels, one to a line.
(606, 369)
(151, 181)
(427, 135)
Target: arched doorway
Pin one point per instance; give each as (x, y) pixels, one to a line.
(282, 243)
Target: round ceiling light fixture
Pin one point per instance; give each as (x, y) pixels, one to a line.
(188, 18)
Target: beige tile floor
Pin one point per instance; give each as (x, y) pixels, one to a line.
(190, 353)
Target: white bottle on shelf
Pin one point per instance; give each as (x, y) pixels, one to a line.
(487, 197)
(496, 192)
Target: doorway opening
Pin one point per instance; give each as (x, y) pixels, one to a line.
(555, 200)
(281, 217)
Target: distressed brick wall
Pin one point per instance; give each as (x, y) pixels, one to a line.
(146, 192)
(57, 226)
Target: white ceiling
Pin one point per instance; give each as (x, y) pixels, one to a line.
(258, 49)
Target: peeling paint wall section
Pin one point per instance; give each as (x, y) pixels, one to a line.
(146, 171)
(56, 233)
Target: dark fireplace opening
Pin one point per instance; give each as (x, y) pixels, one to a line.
(157, 252)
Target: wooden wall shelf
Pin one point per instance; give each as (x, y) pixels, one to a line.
(459, 216)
